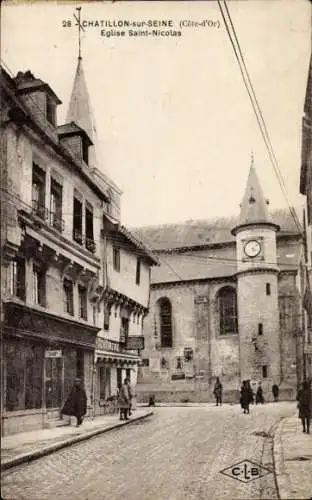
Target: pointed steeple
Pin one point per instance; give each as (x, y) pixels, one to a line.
(254, 207)
(80, 110)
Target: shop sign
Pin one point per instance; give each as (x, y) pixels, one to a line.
(201, 299)
(53, 354)
(135, 343)
(307, 349)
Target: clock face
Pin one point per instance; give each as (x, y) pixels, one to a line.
(252, 248)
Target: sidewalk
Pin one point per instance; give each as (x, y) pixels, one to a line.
(26, 446)
(293, 460)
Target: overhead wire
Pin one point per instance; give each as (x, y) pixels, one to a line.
(257, 109)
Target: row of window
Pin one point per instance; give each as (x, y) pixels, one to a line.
(18, 289)
(54, 215)
(228, 317)
(116, 264)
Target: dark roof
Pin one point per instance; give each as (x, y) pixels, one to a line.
(144, 250)
(215, 263)
(72, 128)
(207, 232)
(27, 81)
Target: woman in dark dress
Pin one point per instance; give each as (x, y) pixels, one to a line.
(304, 398)
(259, 395)
(76, 403)
(245, 397)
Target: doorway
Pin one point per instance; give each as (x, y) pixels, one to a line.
(54, 380)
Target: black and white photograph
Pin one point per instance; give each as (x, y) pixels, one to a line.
(156, 250)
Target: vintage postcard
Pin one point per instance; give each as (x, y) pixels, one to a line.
(156, 246)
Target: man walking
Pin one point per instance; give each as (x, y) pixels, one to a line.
(131, 395)
(217, 391)
(76, 403)
(124, 400)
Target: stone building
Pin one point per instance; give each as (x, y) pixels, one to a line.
(225, 302)
(60, 231)
(306, 190)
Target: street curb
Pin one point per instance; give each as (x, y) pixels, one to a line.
(282, 480)
(29, 457)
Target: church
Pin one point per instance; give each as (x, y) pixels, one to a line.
(225, 301)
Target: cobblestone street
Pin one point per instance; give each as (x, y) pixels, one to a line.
(176, 454)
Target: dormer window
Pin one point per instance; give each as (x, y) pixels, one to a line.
(51, 111)
(76, 140)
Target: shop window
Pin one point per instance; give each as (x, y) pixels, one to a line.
(80, 364)
(227, 310)
(18, 284)
(138, 271)
(116, 259)
(90, 244)
(53, 382)
(39, 285)
(68, 290)
(38, 191)
(56, 198)
(24, 375)
(165, 320)
(83, 302)
(119, 378)
(77, 222)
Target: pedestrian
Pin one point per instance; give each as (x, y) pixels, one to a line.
(217, 391)
(250, 392)
(245, 397)
(259, 395)
(275, 391)
(304, 398)
(131, 394)
(76, 403)
(151, 401)
(124, 400)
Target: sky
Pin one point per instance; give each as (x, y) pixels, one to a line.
(174, 121)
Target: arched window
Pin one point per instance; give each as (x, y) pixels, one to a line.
(165, 321)
(228, 310)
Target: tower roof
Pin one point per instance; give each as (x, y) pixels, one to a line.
(80, 110)
(254, 208)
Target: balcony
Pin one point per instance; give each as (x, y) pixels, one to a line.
(56, 222)
(77, 236)
(39, 210)
(90, 245)
(47, 216)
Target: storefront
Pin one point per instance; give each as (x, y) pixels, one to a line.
(112, 367)
(42, 355)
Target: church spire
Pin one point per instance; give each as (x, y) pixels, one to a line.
(254, 207)
(80, 109)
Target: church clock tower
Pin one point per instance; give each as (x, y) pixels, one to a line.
(257, 288)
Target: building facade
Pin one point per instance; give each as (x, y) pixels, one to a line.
(225, 301)
(59, 217)
(306, 190)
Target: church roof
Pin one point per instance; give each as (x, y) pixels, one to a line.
(254, 208)
(216, 263)
(208, 232)
(80, 110)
